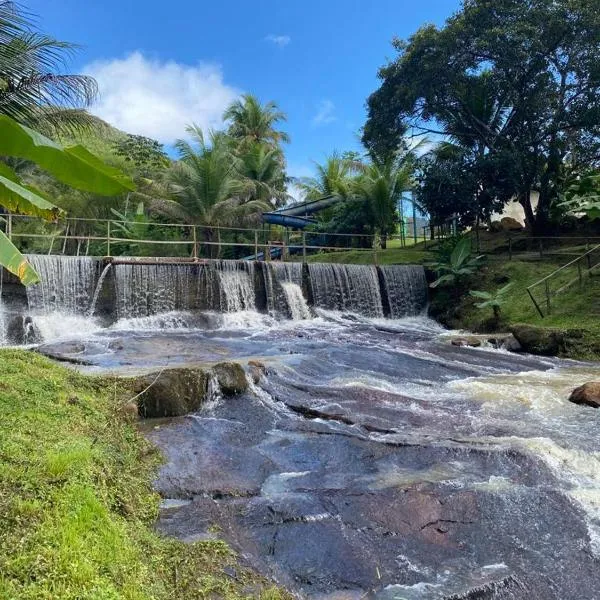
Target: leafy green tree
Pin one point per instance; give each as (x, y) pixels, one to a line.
(146, 154)
(583, 197)
(381, 185)
(537, 62)
(259, 169)
(74, 166)
(206, 188)
(333, 178)
(34, 90)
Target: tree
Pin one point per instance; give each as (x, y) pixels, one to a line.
(206, 186)
(34, 90)
(381, 185)
(333, 178)
(146, 154)
(534, 65)
(251, 122)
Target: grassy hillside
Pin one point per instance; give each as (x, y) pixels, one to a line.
(76, 500)
(391, 256)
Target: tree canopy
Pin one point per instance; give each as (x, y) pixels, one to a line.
(515, 83)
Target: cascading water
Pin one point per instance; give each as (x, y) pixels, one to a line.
(283, 284)
(353, 288)
(143, 290)
(406, 289)
(236, 280)
(66, 284)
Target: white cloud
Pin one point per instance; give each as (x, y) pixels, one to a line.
(325, 113)
(158, 99)
(279, 40)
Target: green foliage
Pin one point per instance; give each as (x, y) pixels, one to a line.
(494, 300)
(76, 498)
(514, 84)
(459, 264)
(583, 197)
(34, 90)
(145, 153)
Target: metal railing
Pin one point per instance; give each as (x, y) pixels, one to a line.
(108, 237)
(563, 277)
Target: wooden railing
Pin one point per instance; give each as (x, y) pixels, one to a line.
(561, 279)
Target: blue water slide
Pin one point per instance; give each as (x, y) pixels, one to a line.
(298, 215)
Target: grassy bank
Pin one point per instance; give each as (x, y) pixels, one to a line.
(575, 311)
(391, 256)
(76, 504)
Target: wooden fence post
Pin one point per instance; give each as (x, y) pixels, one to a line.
(304, 246)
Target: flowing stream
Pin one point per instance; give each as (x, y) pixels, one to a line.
(373, 459)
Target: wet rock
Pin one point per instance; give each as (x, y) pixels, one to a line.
(510, 224)
(462, 342)
(22, 330)
(231, 377)
(171, 393)
(539, 340)
(257, 370)
(588, 394)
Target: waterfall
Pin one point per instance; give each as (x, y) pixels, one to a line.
(92, 308)
(143, 290)
(353, 288)
(406, 289)
(283, 285)
(66, 283)
(237, 285)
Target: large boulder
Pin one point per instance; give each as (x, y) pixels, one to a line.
(510, 224)
(171, 393)
(495, 226)
(588, 394)
(21, 330)
(539, 340)
(231, 377)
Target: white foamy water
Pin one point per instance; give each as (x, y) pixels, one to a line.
(296, 302)
(59, 326)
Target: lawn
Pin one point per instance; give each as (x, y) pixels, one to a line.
(76, 499)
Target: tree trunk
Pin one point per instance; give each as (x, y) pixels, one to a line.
(525, 202)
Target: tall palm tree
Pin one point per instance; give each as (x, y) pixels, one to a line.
(260, 172)
(206, 187)
(34, 89)
(381, 184)
(251, 121)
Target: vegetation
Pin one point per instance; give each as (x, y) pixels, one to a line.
(494, 300)
(77, 503)
(457, 265)
(514, 84)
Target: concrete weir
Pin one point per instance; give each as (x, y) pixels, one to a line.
(110, 289)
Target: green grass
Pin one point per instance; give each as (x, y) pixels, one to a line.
(575, 308)
(76, 504)
(391, 256)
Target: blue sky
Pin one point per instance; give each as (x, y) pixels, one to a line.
(163, 64)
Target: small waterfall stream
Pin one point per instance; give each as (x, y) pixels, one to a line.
(353, 288)
(66, 283)
(283, 284)
(405, 288)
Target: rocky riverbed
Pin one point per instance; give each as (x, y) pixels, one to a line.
(374, 458)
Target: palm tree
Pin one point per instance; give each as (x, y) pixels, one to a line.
(381, 184)
(333, 178)
(251, 122)
(259, 170)
(34, 90)
(206, 187)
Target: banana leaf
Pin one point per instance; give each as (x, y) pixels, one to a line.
(74, 166)
(15, 262)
